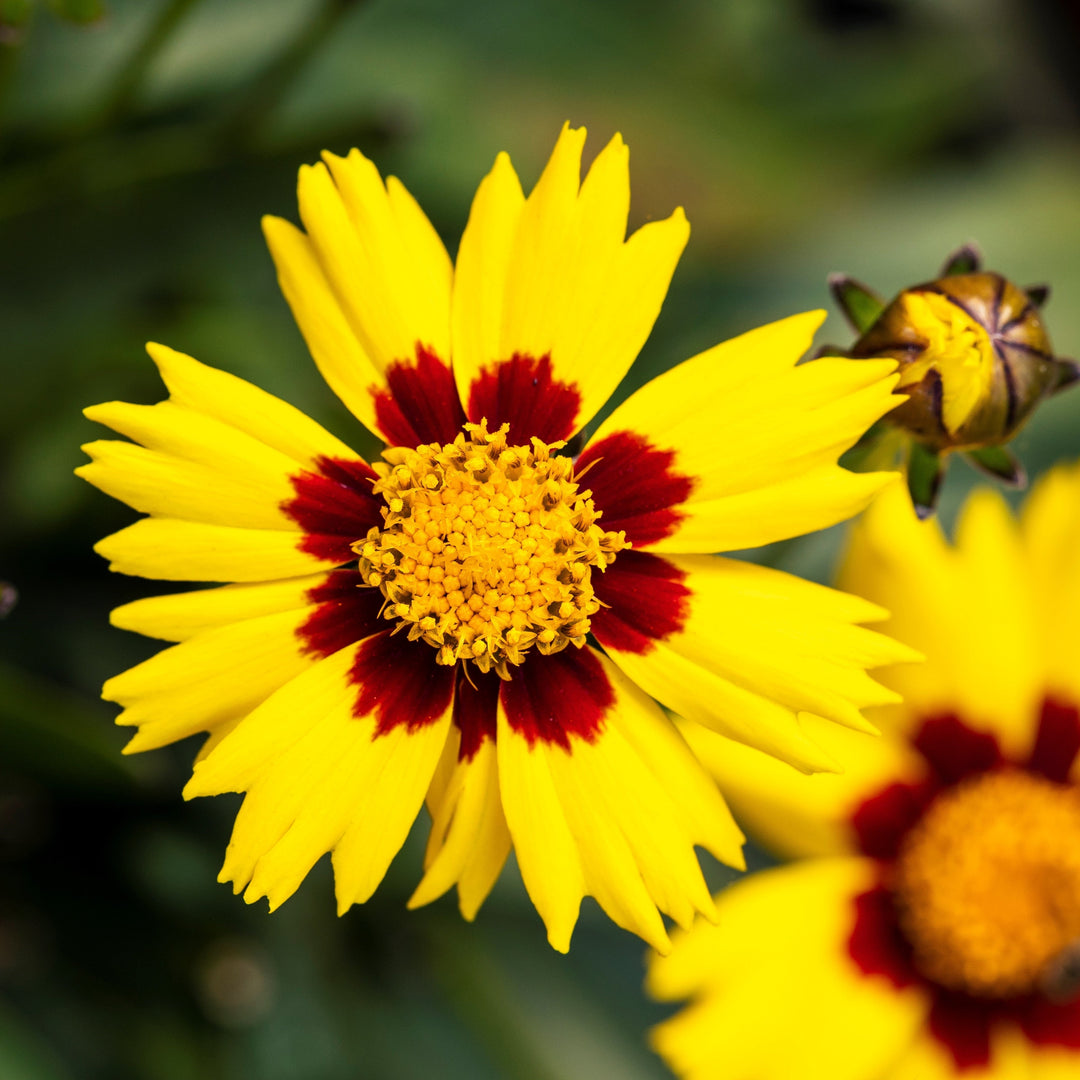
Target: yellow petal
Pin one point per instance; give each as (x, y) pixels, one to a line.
(180, 616)
(388, 270)
(546, 852)
(776, 994)
(767, 470)
(320, 777)
(469, 840)
(743, 649)
(969, 609)
(335, 347)
(209, 679)
(796, 815)
(483, 266)
(156, 483)
(199, 388)
(553, 281)
(1051, 539)
(1011, 1058)
(624, 803)
(174, 550)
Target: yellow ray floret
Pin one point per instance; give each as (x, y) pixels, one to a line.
(756, 480)
(757, 649)
(740, 972)
(616, 819)
(968, 608)
(554, 274)
(317, 781)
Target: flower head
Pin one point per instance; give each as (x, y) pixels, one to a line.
(931, 926)
(975, 360)
(479, 620)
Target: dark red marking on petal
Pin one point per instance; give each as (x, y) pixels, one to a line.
(647, 602)
(348, 611)
(1047, 1024)
(962, 1025)
(954, 750)
(399, 681)
(876, 944)
(881, 821)
(523, 393)
(334, 506)
(551, 698)
(1057, 741)
(476, 708)
(419, 403)
(636, 486)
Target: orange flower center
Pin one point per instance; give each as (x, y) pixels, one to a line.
(988, 884)
(486, 550)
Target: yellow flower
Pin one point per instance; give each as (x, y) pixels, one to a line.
(419, 629)
(931, 927)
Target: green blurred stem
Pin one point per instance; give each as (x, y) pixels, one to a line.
(475, 989)
(119, 98)
(107, 158)
(264, 94)
(9, 62)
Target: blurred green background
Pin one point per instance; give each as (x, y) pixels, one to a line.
(140, 141)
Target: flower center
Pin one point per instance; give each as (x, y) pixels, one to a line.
(957, 347)
(486, 549)
(988, 883)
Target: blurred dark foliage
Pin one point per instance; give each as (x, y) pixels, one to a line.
(139, 144)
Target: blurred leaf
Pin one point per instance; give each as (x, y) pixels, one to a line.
(56, 735)
(79, 11)
(15, 13)
(24, 1056)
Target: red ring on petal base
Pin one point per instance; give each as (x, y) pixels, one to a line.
(553, 698)
(635, 485)
(334, 506)
(399, 682)
(954, 750)
(476, 709)
(646, 601)
(881, 821)
(348, 612)
(419, 403)
(523, 393)
(962, 1023)
(1057, 741)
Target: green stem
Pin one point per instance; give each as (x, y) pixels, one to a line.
(120, 97)
(475, 989)
(263, 95)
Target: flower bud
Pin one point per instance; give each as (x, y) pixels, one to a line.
(974, 359)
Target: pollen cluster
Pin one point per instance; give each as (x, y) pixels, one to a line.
(486, 549)
(988, 883)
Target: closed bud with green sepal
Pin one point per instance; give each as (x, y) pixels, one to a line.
(975, 360)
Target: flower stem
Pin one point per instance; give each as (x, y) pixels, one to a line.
(120, 97)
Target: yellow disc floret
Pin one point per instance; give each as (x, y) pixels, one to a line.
(486, 549)
(988, 883)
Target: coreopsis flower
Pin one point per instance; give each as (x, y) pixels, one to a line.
(931, 927)
(479, 619)
(975, 360)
